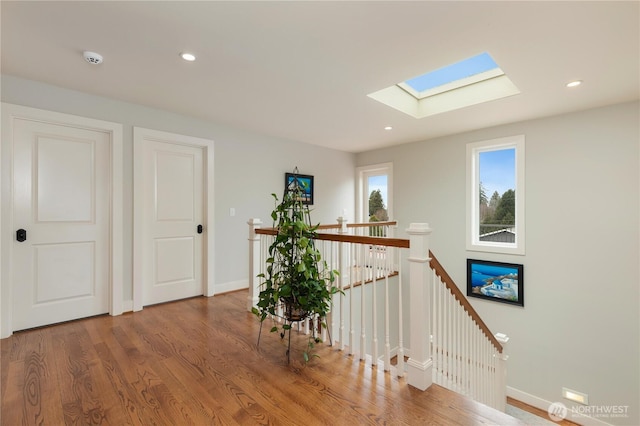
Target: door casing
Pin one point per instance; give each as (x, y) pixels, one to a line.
(11, 112)
(140, 136)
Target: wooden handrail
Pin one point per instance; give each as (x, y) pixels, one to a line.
(329, 226)
(358, 225)
(402, 243)
(455, 291)
(344, 238)
(369, 224)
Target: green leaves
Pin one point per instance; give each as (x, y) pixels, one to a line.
(295, 272)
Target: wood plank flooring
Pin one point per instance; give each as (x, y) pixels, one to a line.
(195, 362)
(538, 412)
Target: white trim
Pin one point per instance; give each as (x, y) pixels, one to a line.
(453, 85)
(231, 286)
(127, 306)
(372, 170)
(9, 113)
(543, 404)
(473, 242)
(139, 136)
(483, 91)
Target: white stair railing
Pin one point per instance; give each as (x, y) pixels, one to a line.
(467, 358)
(448, 343)
(366, 318)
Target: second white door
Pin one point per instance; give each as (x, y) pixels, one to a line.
(173, 221)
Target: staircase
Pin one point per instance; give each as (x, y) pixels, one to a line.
(385, 312)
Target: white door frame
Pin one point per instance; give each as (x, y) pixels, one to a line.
(12, 112)
(140, 135)
(362, 173)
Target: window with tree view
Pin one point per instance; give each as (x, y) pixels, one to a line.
(375, 195)
(496, 196)
(377, 206)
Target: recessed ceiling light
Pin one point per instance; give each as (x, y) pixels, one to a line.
(574, 83)
(388, 128)
(188, 56)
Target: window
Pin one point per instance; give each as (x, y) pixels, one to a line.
(467, 82)
(374, 202)
(495, 195)
(469, 71)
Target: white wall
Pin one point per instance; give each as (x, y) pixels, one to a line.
(247, 168)
(580, 325)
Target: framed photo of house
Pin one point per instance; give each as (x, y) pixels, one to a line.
(497, 281)
(305, 182)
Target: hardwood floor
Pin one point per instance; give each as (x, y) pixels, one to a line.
(195, 362)
(538, 412)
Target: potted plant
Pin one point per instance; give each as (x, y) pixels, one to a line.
(297, 283)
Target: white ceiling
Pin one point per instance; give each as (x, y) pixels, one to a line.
(302, 70)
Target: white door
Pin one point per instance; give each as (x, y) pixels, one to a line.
(61, 187)
(173, 235)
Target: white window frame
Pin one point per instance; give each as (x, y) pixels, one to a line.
(362, 192)
(473, 195)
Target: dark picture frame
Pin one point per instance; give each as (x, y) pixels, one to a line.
(497, 281)
(305, 182)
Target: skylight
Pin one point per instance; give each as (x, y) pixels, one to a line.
(468, 82)
(469, 71)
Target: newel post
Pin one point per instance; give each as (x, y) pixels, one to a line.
(501, 391)
(343, 262)
(343, 255)
(254, 263)
(419, 364)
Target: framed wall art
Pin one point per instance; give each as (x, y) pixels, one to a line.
(497, 281)
(305, 182)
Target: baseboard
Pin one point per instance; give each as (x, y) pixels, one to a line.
(230, 286)
(127, 305)
(543, 404)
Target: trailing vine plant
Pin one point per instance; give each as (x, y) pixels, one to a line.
(296, 278)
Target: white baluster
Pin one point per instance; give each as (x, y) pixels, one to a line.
(353, 275)
(501, 372)
(485, 370)
(387, 344)
(454, 343)
(343, 264)
(472, 358)
(400, 353)
(465, 352)
(255, 263)
(459, 326)
(327, 255)
(449, 326)
(441, 335)
(363, 268)
(481, 364)
(479, 379)
(374, 303)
